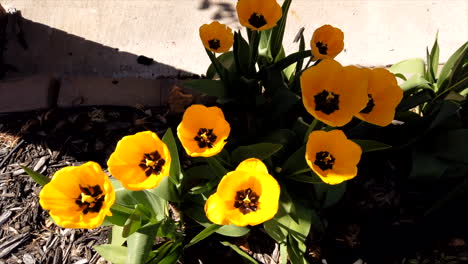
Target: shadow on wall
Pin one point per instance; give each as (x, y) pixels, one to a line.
(34, 48)
(222, 10)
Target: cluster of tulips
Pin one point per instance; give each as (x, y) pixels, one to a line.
(81, 196)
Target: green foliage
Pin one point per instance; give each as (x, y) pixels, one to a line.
(36, 176)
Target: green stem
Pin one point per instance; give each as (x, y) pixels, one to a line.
(299, 172)
(310, 129)
(123, 209)
(254, 41)
(292, 58)
(453, 87)
(217, 65)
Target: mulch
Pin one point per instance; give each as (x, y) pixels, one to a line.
(47, 141)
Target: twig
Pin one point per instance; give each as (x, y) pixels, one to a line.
(11, 153)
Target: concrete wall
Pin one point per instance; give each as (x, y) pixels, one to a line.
(103, 37)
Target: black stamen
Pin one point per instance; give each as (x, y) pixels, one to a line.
(96, 193)
(370, 105)
(257, 20)
(323, 48)
(156, 167)
(214, 44)
(327, 102)
(246, 200)
(205, 138)
(324, 160)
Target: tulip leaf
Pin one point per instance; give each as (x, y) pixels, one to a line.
(260, 151)
(139, 243)
(116, 237)
(127, 199)
(175, 172)
(264, 50)
(112, 253)
(139, 216)
(449, 67)
(170, 255)
(218, 170)
(209, 87)
(415, 81)
(329, 195)
(226, 59)
(36, 176)
(283, 223)
(241, 53)
(196, 212)
(410, 66)
(277, 34)
(296, 250)
(203, 234)
(295, 162)
(432, 62)
(166, 190)
(413, 98)
(371, 145)
(239, 251)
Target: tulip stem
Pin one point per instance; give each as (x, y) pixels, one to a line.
(254, 41)
(310, 129)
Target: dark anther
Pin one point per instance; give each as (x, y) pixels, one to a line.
(324, 160)
(246, 200)
(323, 48)
(205, 138)
(327, 102)
(370, 105)
(214, 44)
(152, 163)
(257, 20)
(98, 199)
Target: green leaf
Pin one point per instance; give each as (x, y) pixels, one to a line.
(433, 62)
(174, 172)
(295, 162)
(173, 256)
(371, 145)
(112, 253)
(260, 151)
(411, 66)
(36, 176)
(241, 53)
(128, 199)
(296, 250)
(264, 50)
(139, 243)
(116, 237)
(292, 58)
(203, 234)
(447, 70)
(135, 220)
(285, 223)
(226, 59)
(209, 87)
(413, 98)
(233, 231)
(329, 195)
(166, 190)
(218, 170)
(276, 40)
(415, 81)
(239, 251)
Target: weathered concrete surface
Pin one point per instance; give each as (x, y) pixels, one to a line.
(25, 94)
(81, 36)
(132, 92)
